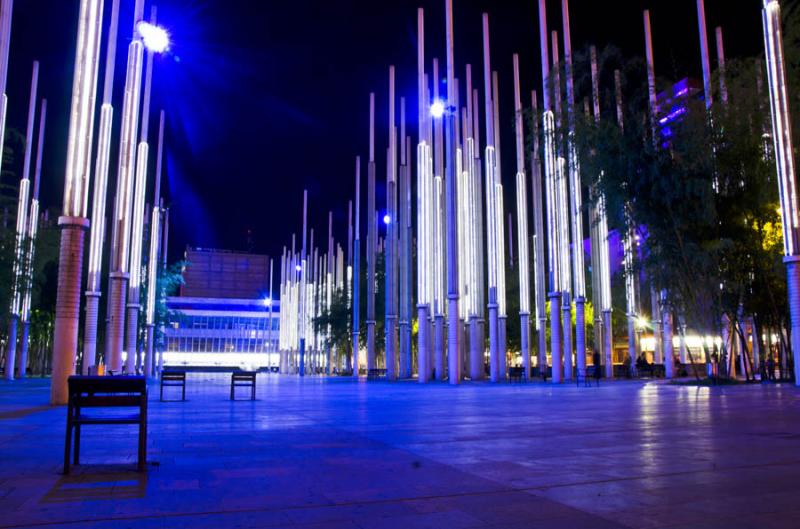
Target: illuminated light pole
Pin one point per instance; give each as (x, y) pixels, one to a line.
(152, 261)
(329, 278)
(539, 282)
(424, 212)
(550, 174)
(491, 212)
(152, 44)
(576, 205)
(390, 256)
(6, 11)
(723, 89)
(701, 22)
(500, 241)
(480, 276)
(357, 269)
(163, 290)
(121, 222)
(600, 225)
(372, 239)
(271, 302)
(19, 266)
(653, 104)
(629, 249)
(73, 221)
(474, 234)
(522, 228)
(438, 110)
(32, 229)
(98, 231)
(404, 253)
(301, 309)
(453, 326)
(784, 162)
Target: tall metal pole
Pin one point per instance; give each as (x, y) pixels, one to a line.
(784, 164)
(453, 327)
(390, 256)
(438, 209)
(137, 221)
(701, 23)
(372, 240)
(404, 253)
(301, 309)
(98, 229)
(500, 239)
(424, 212)
(540, 284)
(163, 290)
(6, 12)
(76, 182)
(152, 261)
(491, 212)
(121, 225)
(723, 89)
(32, 230)
(522, 228)
(576, 202)
(329, 279)
(357, 269)
(550, 173)
(19, 266)
(270, 348)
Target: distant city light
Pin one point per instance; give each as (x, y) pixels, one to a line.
(437, 109)
(387, 219)
(155, 38)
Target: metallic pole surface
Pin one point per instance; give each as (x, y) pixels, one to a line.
(453, 326)
(522, 228)
(784, 162)
(121, 222)
(32, 230)
(357, 270)
(152, 261)
(372, 241)
(76, 181)
(98, 229)
(19, 267)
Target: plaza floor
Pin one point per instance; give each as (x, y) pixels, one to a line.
(320, 453)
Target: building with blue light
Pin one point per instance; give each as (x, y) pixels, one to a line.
(224, 316)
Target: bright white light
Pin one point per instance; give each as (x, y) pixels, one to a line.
(155, 38)
(387, 219)
(298, 267)
(267, 302)
(437, 109)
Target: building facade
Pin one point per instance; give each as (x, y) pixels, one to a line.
(225, 316)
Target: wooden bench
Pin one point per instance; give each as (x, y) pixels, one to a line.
(173, 379)
(244, 379)
(516, 373)
(105, 392)
(376, 373)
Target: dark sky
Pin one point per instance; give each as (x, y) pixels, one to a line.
(265, 98)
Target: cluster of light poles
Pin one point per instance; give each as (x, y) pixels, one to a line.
(450, 190)
(128, 220)
(461, 273)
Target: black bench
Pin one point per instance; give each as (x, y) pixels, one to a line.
(516, 373)
(173, 379)
(586, 376)
(651, 370)
(105, 392)
(376, 373)
(244, 379)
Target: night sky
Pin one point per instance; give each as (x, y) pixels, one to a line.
(265, 98)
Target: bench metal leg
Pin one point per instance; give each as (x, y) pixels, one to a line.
(232, 390)
(67, 446)
(253, 391)
(76, 456)
(183, 391)
(142, 446)
(161, 396)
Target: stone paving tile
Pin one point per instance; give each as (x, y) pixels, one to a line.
(318, 453)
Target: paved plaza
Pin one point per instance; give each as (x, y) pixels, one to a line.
(318, 453)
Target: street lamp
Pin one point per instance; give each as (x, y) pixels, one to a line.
(437, 109)
(155, 38)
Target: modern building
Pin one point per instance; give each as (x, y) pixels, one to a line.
(224, 316)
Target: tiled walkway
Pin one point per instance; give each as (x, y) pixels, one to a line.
(343, 454)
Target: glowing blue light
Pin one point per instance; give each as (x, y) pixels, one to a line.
(267, 302)
(387, 219)
(155, 38)
(298, 267)
(437, 109)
